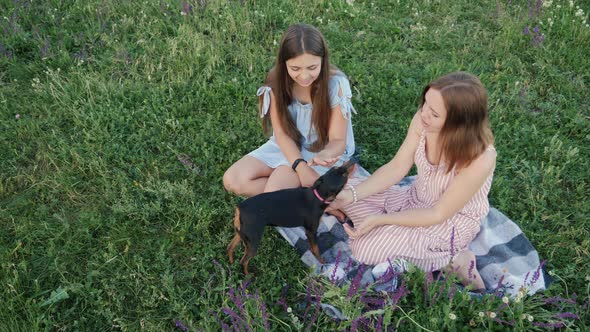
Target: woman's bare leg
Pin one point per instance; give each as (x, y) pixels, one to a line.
(247, 177)
(464, 265)
(283, 177)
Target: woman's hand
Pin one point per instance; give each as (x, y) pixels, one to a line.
(323, 158)
(307, 175)
(365, 227)
(343, 199)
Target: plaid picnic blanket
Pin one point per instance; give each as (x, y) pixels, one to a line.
(505, 258)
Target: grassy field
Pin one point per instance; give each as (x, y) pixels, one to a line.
(118, 119)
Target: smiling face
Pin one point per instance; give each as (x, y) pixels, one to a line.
(433, 112)
(304, 69)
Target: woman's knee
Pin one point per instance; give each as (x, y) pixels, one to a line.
(234, 181)
(229, 180)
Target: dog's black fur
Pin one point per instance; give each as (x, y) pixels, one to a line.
(286, 208)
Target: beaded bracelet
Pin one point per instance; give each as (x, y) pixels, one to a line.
(354, 195)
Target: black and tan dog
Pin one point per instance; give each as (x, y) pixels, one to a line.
(287, 208)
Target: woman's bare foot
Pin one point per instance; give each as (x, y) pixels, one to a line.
(464, 265)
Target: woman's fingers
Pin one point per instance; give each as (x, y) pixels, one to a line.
(350, 231)
(326, 162)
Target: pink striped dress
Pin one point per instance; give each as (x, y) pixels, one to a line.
(429, 248)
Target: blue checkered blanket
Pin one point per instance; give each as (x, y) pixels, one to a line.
(505, 258)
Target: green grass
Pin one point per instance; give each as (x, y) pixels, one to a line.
(103, 228)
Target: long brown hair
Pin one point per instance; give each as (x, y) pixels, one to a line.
(297, 40)
(466, 132)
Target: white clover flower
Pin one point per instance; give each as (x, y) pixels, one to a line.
(481, 314)
(505, 299)
(492, 314)
(452, 316)
(579, 13)
(530, 317)
(523, 316)
(547, 3)
(517, 300)
(289, 310)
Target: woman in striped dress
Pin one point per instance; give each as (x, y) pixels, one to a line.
(431, 222)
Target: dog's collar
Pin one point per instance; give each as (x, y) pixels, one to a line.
(315, 191)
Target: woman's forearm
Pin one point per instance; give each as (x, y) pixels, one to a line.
(383, 178)
(288, 147)
(334, 148)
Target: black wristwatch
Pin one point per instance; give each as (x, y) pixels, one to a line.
(296, 163)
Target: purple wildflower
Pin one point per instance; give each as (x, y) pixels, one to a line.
(397, 295)
(379, 323)
(356, 282)
(234, 317)
(353, 325)
(179, 325)
(224, 326)
(187, 8)
(365, 323)
(245, 284)
(318, 297)
(348, 266)
(307, 299)
(333, 276)
(567, 315)
(526, 30)
(556, 299)
(537, 273)
(499, 286)
(235, 299)
(549, 325)
(470, 272)
(538, 7)
(501, 307)
(263, 311)
(526, 277)
(427, 281)
(373, 302)
(453, 242)
(504, 322)
(283, 300)
(452, 293)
